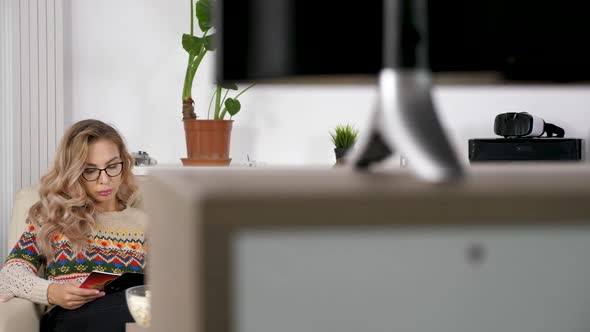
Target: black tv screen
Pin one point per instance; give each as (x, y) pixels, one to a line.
(526, 40)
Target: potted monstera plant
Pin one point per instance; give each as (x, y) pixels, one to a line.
(207, 139)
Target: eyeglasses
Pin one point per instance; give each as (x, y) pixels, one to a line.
(91, 174)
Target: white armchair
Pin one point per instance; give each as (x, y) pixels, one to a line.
(19, 314)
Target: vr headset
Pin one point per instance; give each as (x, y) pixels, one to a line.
(524, 125)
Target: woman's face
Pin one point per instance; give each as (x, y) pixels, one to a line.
(101, 177)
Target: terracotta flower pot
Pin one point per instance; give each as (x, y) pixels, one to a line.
(207, 142)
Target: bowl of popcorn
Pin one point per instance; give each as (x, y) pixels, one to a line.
(138, 302)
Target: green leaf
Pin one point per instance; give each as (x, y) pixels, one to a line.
(192, 44)
(229, 86)
(204, 11)
(233, 106)
(209, 42)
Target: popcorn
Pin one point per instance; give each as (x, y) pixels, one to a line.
(139, 306)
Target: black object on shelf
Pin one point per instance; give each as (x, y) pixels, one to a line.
(525, 149)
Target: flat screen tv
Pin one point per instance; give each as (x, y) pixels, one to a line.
(519, 40)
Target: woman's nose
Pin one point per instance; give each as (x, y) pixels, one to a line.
(103, 177)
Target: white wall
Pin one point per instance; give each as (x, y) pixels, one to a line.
(126, 66)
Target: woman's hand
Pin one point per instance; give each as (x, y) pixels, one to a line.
(70, 296)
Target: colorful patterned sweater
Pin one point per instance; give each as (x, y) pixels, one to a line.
(117, 246)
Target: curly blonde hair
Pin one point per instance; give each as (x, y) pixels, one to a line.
(64, 207)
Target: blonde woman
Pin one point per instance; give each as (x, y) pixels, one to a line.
(84, 221)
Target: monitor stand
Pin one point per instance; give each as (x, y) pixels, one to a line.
(405, 118)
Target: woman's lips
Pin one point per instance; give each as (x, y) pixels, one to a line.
(105, 192)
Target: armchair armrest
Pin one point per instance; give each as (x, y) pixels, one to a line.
(20, 315)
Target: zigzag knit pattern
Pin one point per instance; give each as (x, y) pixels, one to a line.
(109, 250)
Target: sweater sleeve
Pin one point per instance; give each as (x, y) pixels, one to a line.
(19, 277)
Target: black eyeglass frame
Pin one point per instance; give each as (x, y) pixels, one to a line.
(100, 170)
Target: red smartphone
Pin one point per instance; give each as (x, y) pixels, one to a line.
(97, 280)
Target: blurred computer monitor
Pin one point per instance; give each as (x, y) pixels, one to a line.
(517, 40)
